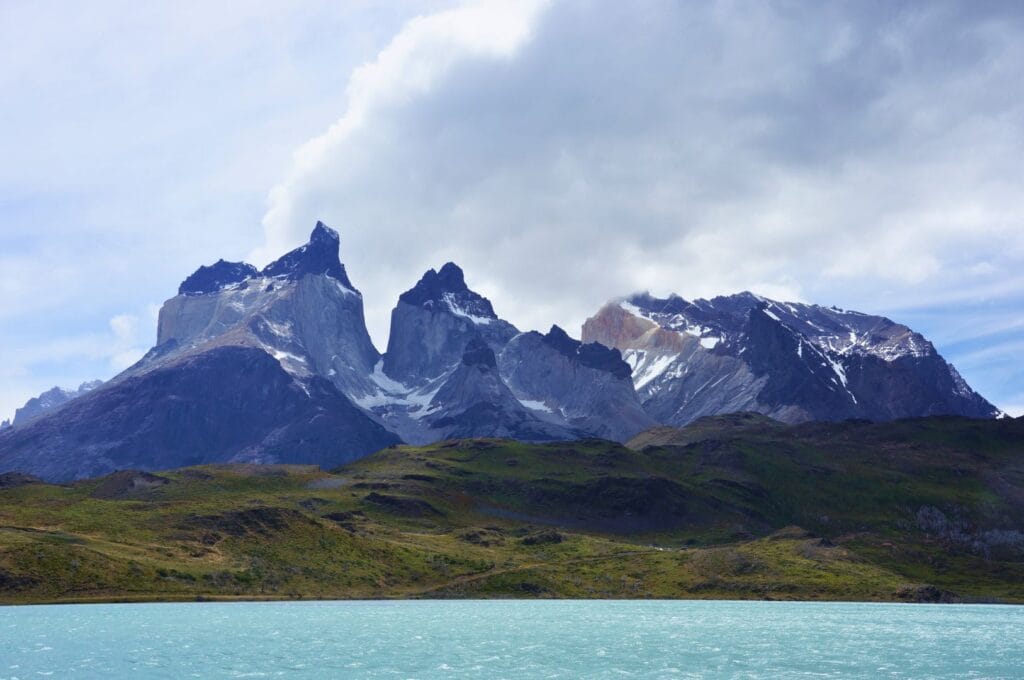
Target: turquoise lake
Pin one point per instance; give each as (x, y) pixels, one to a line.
(512, 639)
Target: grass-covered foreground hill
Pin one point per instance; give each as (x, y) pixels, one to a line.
(730, 507)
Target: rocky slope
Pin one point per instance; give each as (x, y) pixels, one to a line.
(585, 386)
(794, 362)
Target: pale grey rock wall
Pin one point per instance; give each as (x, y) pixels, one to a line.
(587, 399)
(426, 342)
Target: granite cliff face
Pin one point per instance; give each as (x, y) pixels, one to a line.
(793, 362)
(302, 309)
(587, 387)
(434, 321)
(474, 401)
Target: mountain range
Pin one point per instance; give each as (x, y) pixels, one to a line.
(275, 365)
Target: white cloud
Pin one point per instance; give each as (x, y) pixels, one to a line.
(128, 336)
(132, 337)
(581, 152)
(423, 51)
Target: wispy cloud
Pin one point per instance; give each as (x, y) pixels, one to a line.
(76, 358)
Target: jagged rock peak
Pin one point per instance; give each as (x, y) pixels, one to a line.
(478, 353)
(51, 399)
(447, 289)
(210, 279)
(319, 256)
(591, 354)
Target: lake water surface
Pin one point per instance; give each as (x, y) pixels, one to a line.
(512, 639)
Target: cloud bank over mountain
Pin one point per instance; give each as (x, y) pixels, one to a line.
(870, 155)
(568, 152)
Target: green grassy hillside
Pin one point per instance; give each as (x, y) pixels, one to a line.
(734, 507)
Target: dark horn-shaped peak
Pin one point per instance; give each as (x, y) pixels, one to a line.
(210, 279)
(318, 256)
(446, 289)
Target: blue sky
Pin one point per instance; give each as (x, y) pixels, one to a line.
(867, 155)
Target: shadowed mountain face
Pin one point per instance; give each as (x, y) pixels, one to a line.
(226, 404)
(794, 362)
(249, 365)
(474, 401)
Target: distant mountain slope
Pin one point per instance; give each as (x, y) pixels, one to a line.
(49, 400)
(793, 362)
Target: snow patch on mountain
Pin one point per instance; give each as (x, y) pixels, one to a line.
(535, 405)
(648, 370)
(452, 302)
(392, 395)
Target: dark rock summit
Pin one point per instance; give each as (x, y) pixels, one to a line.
(477, 353)
(448, 287)
(590, 355)
(209, 279)
(318, 256)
